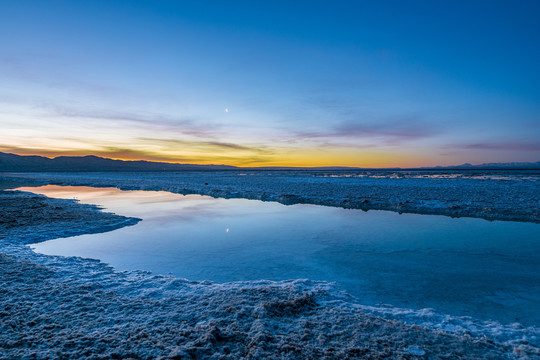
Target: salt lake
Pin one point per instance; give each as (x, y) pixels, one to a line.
(461, 267)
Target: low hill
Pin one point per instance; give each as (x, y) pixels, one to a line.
(18, 163)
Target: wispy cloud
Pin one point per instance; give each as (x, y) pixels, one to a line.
(208, 145)
(230, 145)
(33, 70)
(392, 131)
(507, 145)
(148, 120)
(407, 128)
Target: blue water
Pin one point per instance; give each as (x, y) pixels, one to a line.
(486, 270)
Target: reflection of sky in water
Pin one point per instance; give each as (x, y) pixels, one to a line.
(457, 266)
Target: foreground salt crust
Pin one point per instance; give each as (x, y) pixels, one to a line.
(56, 307)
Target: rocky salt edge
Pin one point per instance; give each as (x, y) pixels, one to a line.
(54, 307)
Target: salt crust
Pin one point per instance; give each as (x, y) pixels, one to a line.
(58, 307)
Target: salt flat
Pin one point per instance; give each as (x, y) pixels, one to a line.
(55, 307)
(492, 195)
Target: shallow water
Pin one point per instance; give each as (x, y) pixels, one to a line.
(486, 270)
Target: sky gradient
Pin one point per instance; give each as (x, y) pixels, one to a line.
(291, 83)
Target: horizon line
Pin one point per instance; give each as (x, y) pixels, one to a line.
(335, 167)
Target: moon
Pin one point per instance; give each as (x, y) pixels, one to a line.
(227, 110)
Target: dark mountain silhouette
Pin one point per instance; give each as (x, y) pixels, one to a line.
(491, 166)
(18, 163)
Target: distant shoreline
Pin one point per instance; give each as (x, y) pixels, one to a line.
(491, 196)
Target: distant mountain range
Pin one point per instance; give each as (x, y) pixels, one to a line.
(18, 163)
(497, 166)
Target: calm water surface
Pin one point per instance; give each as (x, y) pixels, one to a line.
(488, 270)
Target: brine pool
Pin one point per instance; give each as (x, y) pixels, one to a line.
(460, 267)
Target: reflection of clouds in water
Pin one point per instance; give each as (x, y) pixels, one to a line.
(151, 205)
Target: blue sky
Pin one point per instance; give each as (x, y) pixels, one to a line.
(386, 83)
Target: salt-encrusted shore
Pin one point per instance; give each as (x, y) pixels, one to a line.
(492, 195)
(73, 308)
